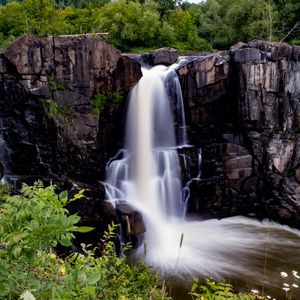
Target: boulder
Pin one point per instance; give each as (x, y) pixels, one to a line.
(164, 56)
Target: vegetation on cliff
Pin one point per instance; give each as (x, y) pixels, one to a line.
(154, 23)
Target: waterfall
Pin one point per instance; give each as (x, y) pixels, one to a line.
(147, 175)
(4, 160)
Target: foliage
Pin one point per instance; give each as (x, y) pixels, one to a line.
(154, 23)
(55, 84)
(99, 101)
(31, 224)
(24, 229)
(212, 290)
(223, 23)
(59, 111)
(128, 23)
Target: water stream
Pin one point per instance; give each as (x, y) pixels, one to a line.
(147, 175)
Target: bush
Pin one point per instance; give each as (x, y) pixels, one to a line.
(99, 101)
(212, 290)
(32, 224)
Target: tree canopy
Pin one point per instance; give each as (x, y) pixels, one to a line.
(134, 25)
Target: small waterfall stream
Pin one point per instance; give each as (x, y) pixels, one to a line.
(147, 175)
(3, 151)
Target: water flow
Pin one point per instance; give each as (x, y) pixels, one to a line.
(4, 160)
(147, 175)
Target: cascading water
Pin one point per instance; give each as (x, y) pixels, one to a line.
(147, 175)
(3, 151)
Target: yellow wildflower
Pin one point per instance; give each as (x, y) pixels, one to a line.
(62, 270)
(53, 255)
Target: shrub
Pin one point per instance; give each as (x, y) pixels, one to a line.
(32, 224)
(99, 101)
(212, 290)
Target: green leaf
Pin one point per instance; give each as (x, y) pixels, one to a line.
(78, 195)
(194, 287)
(63, 197)
(16, 251)
(84, 229)
(65, 242)
(93, 278)
(73, 219)
(19, 236)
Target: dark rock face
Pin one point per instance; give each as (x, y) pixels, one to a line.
(164, 56)
(47, 127)
(46, 90)
(243, 111)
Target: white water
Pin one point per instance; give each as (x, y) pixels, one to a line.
(3, 150)
(146, 174)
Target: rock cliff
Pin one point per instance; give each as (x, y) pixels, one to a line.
(55, 123)
(242, 110)
(49, 107)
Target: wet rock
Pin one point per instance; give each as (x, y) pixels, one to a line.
(1, 170)
(131, 220)
(243, 112)
(280, 152)
(246, 55)
(164, 56)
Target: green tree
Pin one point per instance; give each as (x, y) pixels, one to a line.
(13, 20)
(130, 24)
(165, 5)
(224, 23)
(186, 31)
(43, 18)
(288, 15)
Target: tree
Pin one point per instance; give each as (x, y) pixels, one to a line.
(12, 19)
(130, 24)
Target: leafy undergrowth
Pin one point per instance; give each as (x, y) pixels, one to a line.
(32, 224)
(212, 290)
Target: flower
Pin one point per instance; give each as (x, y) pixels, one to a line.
(62, 270)
(295, 273)
(53, 255)
(254, 291)
(286, 284)
(283, 274)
